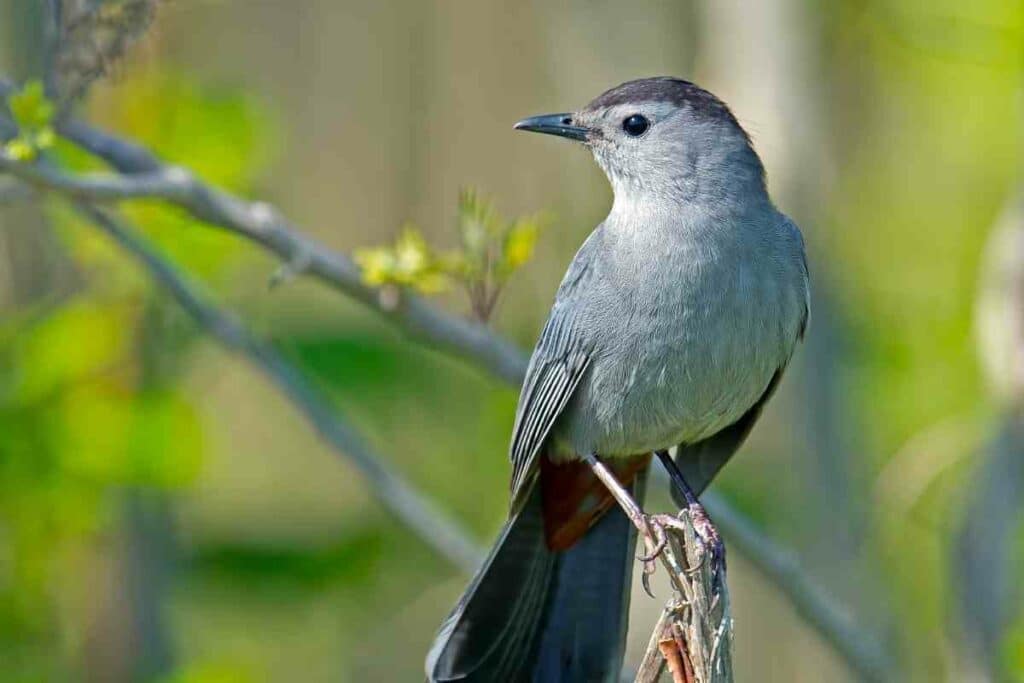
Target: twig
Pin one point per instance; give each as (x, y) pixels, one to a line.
(463, 339)
(418, 513)
(261, 223)
(654, 660)
(705, 621)
(693, 636)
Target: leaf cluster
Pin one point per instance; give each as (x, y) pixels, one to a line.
(33, 113)
(491, 249)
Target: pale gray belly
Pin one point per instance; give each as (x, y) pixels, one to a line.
(705, 361)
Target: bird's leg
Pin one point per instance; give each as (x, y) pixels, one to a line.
(651, 531)
(618, 491)
(702, 523)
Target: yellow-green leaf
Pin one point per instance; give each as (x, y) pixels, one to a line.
(20, 149)
(44, 138)
(376, 263)
(520, 243)
(412, 255)
(30, 107)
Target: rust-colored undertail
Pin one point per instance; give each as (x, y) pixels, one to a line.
(573, 498)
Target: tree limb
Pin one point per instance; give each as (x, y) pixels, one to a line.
(417, 512)
(261, 223)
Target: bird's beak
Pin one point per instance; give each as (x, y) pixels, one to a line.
(554, 124)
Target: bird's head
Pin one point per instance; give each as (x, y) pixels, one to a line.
(664, 137)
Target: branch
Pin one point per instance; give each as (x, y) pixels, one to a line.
(262, 224)
(694, 635)
(418, 513)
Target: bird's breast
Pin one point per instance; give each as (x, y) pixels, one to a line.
(691, 333)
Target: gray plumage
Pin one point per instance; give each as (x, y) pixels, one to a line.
(671, 327)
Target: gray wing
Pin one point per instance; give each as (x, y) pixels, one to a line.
(559, 362)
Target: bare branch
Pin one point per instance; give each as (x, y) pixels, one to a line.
(693, 637)
(703, 622)
(415, 511)
(654, 660)
(123, 155)
(262, 224)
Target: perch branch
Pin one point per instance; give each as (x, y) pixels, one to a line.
(693, 637)
(425, 322)
(695, 634)
(447, 538)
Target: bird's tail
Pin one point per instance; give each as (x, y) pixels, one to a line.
(532, 614)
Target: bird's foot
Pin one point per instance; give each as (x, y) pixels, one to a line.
(655, 539)
(658, 537)
(707, 534)
(711, 540)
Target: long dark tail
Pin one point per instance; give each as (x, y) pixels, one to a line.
(531, 614)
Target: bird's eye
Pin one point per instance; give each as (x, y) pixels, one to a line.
(636, 125)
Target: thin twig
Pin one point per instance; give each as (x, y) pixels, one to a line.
(675, 660)
(417, 512)
(261, 223)
(653, 663)
(468, 341)
(694, 634)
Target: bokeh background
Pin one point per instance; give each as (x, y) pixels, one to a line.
(165, 515)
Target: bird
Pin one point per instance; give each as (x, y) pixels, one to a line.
(671, 328)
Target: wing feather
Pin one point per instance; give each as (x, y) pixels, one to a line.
(555, 382)
(559, 362)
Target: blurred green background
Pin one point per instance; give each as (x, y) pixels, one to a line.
(165, 515)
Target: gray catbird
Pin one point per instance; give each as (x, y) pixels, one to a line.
(671, 327)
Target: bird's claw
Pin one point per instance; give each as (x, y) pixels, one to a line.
(709, 537)
(645, 578)
(654, 542)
